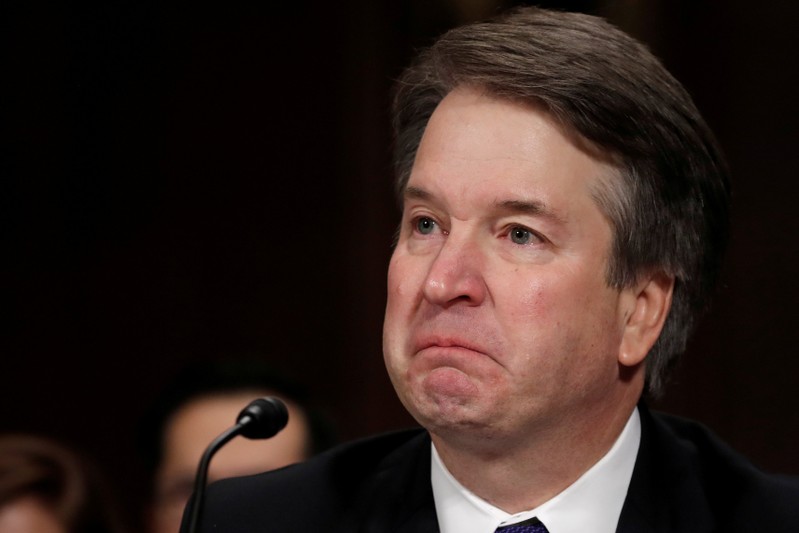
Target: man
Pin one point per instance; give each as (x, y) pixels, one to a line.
(564, 217)
(203, 401)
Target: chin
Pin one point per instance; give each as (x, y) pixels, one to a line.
(440, 412)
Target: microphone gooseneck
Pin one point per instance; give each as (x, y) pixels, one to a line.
(261, 419)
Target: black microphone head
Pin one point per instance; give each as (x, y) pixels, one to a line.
(263, 418)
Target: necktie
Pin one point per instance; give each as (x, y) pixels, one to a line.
(533, 525)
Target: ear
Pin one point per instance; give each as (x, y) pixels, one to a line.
(647, 305)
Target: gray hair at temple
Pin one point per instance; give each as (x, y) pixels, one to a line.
(669, 203)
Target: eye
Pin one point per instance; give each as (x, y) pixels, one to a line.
(425, 225)
(522, 235)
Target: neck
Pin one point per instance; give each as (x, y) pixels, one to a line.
(524, 475)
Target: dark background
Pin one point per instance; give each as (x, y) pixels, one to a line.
(181, 182)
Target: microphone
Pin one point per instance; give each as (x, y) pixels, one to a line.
(261, 419)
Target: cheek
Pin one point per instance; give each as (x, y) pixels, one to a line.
(404, 284)
(395, 277)
(399, 309)
(555, 318)
(531, 305)
(530, 318)
(394, 298)
(564, 297)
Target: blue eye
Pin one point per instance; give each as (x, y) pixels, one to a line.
(425, 225)
(521, 235)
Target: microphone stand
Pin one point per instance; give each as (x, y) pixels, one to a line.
(261, 419)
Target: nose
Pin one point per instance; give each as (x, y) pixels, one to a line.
(456, 274)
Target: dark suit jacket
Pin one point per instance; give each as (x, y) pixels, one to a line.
(684, 480)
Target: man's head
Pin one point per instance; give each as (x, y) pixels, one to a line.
(500, 322)
(201, 403)
(667, 199)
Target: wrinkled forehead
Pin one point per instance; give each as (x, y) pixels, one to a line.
(607, 188)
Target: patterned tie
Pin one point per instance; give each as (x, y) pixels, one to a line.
(533, 525)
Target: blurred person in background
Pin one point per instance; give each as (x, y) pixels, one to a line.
(200, 403)
(47, 488)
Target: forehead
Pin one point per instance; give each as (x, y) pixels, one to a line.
(205, 416)
(504, 151)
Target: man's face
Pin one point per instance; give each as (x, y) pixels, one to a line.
(499, 319)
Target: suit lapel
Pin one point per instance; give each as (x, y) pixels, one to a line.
(399, 497)
(665, 494)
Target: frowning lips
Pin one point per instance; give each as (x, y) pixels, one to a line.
(423, 342)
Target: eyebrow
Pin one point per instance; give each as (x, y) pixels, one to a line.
(415, 193)
(535, 208)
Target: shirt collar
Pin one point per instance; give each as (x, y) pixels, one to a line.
(592, 503)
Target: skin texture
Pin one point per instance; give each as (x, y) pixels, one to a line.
(192, 428)
(501, 335)
(28, 514)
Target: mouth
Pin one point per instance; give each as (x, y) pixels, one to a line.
(452, 345)
(450, 358)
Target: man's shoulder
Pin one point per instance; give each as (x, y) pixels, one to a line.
(714, 458)
(683, 461)
(331, 484)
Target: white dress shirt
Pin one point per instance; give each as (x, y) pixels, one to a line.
(591, 504)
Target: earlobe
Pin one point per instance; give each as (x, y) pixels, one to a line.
(649, 304)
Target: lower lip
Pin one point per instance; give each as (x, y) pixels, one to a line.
(448, 354)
